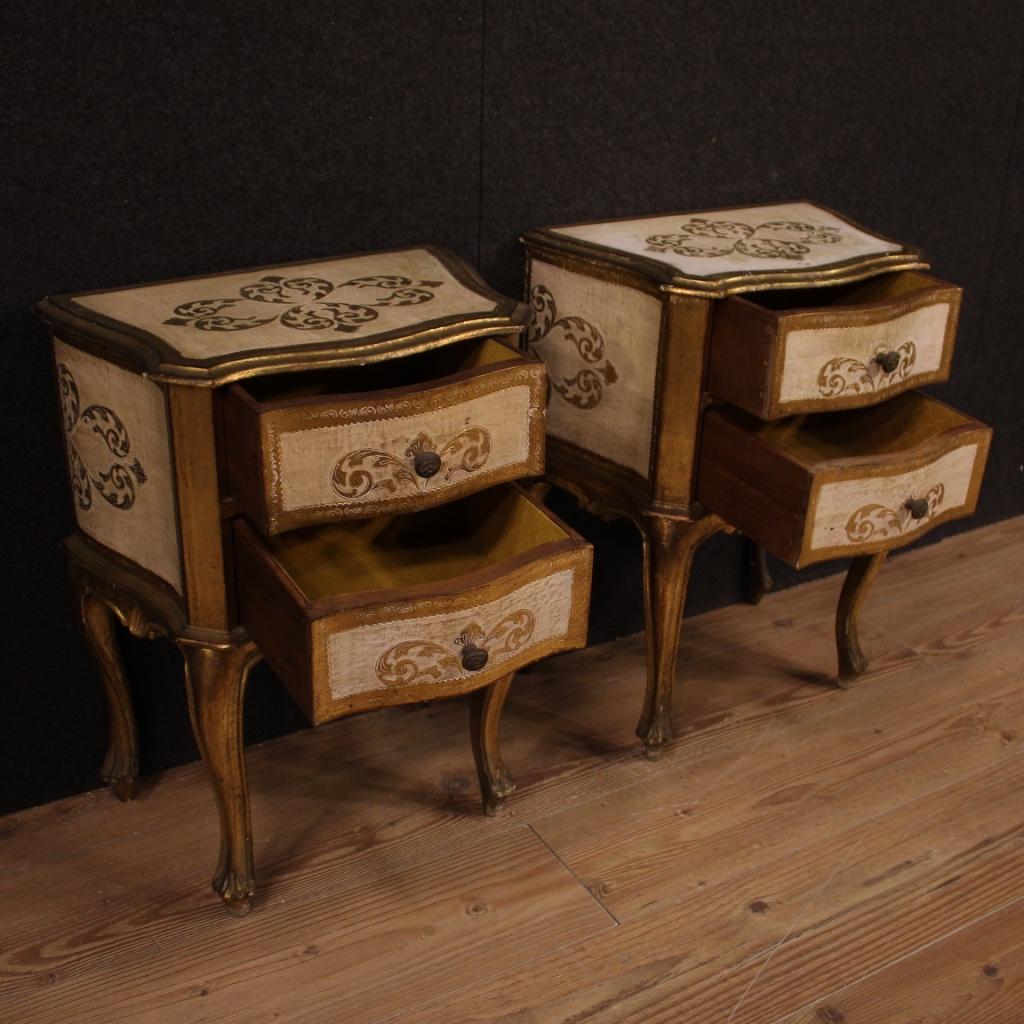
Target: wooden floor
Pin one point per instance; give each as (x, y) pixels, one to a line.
(801, 854)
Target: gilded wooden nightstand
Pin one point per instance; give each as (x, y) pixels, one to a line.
(752, 369)
(312, 463)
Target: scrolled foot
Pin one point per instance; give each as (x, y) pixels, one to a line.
(852, 663)
(236, 892)
(656, 733)
(495, 791)
(124, 788)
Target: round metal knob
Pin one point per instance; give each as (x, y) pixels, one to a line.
(426, 464)
(473, 658)
(888, 361)
(917, 507)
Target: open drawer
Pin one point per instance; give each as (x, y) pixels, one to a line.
(389, 437)
(775, 353)
(395, 609)
(833, 485)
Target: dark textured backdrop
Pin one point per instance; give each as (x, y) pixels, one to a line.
(143, 141)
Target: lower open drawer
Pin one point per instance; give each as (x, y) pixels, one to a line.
(396, 609)
(837, 484)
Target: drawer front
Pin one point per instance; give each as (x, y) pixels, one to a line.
(853, 364)
(779, 363)
(892, 508)
(418, 650)
(343, 459)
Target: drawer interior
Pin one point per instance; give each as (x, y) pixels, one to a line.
(896, 426)
(883, 288)
(424, 547)
(407, 371)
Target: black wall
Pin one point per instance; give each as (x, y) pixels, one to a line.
(143, 141)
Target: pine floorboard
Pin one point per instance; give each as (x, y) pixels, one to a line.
(799, 855)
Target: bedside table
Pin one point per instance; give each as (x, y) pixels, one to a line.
(753, 369)
(312, 464)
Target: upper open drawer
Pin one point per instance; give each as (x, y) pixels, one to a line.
(391, 437)
(782, 352)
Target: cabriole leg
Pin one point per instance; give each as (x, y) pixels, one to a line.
(669, 546)
(485, 718)
(859, 578)
(215, 679)
(121, 765)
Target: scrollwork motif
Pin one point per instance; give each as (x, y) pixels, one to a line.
(845, 375)
(776, 239)
(425, 661)
(879, 522)
(358, 472)
(585, 389)
(117, 484)
(305, 296)
(369, 469)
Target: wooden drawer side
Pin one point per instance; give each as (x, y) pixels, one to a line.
(243, 436)
(272, 610)
(752, 486)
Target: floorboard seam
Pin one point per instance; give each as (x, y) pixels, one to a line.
(590, 892)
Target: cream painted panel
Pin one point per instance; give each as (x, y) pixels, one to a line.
(808, 353)
(422, 650)
(600, 344)
(303, 461)
(119, 458)
(785, 236)
(329, 301)
(851, 512)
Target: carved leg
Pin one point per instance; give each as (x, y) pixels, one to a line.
(669, 545)
(215, 679)
(757, 580)
(121, 765)
(485, 717)
(859, 578)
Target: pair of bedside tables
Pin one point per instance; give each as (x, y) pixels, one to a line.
(314, 463)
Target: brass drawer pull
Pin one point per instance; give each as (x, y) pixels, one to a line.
(888, 361)
(473, 658)
(426, 464)
(917, 507)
